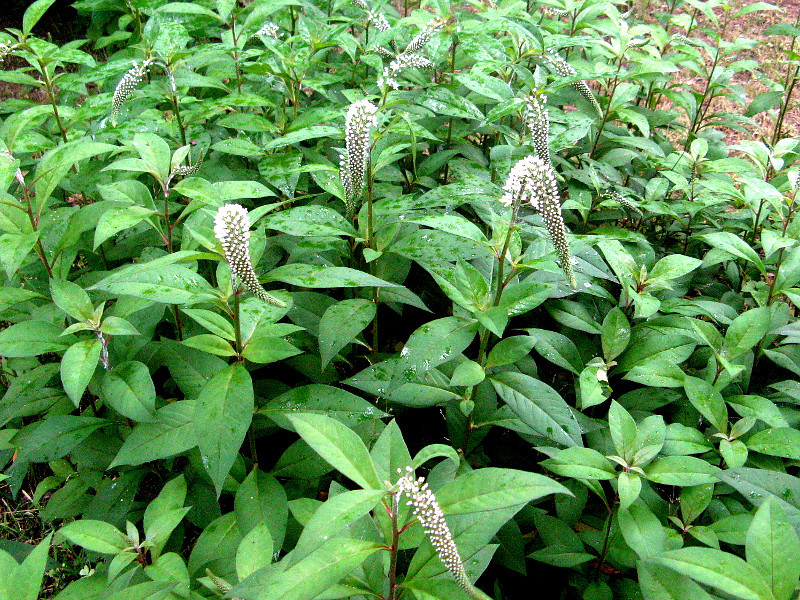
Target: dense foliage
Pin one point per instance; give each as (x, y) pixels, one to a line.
(268, 264)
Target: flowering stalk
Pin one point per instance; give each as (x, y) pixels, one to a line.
(537, 120)
(353, 164)
(232, 228)
(126, 86)
(564, 69)
(430, 516)
(534, 180)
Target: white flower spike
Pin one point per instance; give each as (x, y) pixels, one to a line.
(533, 180)
(358, 124)
(430, 516)
(232, 228)
(126, 86)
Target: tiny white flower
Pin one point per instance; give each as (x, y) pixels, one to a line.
(359, 122)
(126, 86)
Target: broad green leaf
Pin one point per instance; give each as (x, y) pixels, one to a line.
(733, 244)
(216, 547)
(315, 276)
(222, 416)
(321, 399)
(660, 583)
(171, 432)
(254, 551)
(623, 431)
(341, 323)
(509, 350)
(71, 298)
(557, 348)
(333, 517)
(97, 536)
(339, 446)
(56, 436)
(573, 315)
(129, 389)
(674, 266)
(157, 282)
(720, 570)
(310, 220)
(539, 406)
(33, 13)
(30, 573)
(260, 498)
(77, 367)
(777, 441)
(681, 470)
(642, 531)
(31, 338)
(492, 488)
(433, 344)
(747, 330)
(708, 402)
(580, 463)
(772, 548)
(615, 334)
(305, 580)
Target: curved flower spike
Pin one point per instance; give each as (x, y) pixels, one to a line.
(533, 180)
(232, 228)
(430, 516)
(563, 68)
(132, 78)
(358, 124)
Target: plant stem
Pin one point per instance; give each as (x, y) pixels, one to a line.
(237, 325)
(601, 559)
(235, 38)
(52, 96)
(393, 548)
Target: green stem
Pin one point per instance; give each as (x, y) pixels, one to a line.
(237, 324)
(52, 96)
(393, 549)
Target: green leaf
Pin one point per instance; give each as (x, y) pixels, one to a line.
(33, 13)
(539, 406)
(721, 570)
(129, 389)
(57, 436)
(213, 344)
(321, 399)
(261, 498)
(72, 299)
(97, 536)
(29, 575)
(708, 402)
(468, 373)
(214, 322)
(777, 441)
(772, 547)
(314, 276)
(615, 334)
(309, 221)
(77, 367)
(674, 266)
(558, 349)
(171, 432)
(301, 135)
(333, 517)
(157, 282)
(223, 414)
(642, 531)
(433, 344)
(681, 470)
(509, 350)
(216, 547)
(733, 244)
(580, 463)
(305, 580)
(254, 551)
(623, 431)
(339, 446)
(492, 488)
(341, 323)
(31, 338)
(747, 330)
(660, 583)
(573, 315)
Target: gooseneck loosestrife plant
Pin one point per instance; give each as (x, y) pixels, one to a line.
(257, 256)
